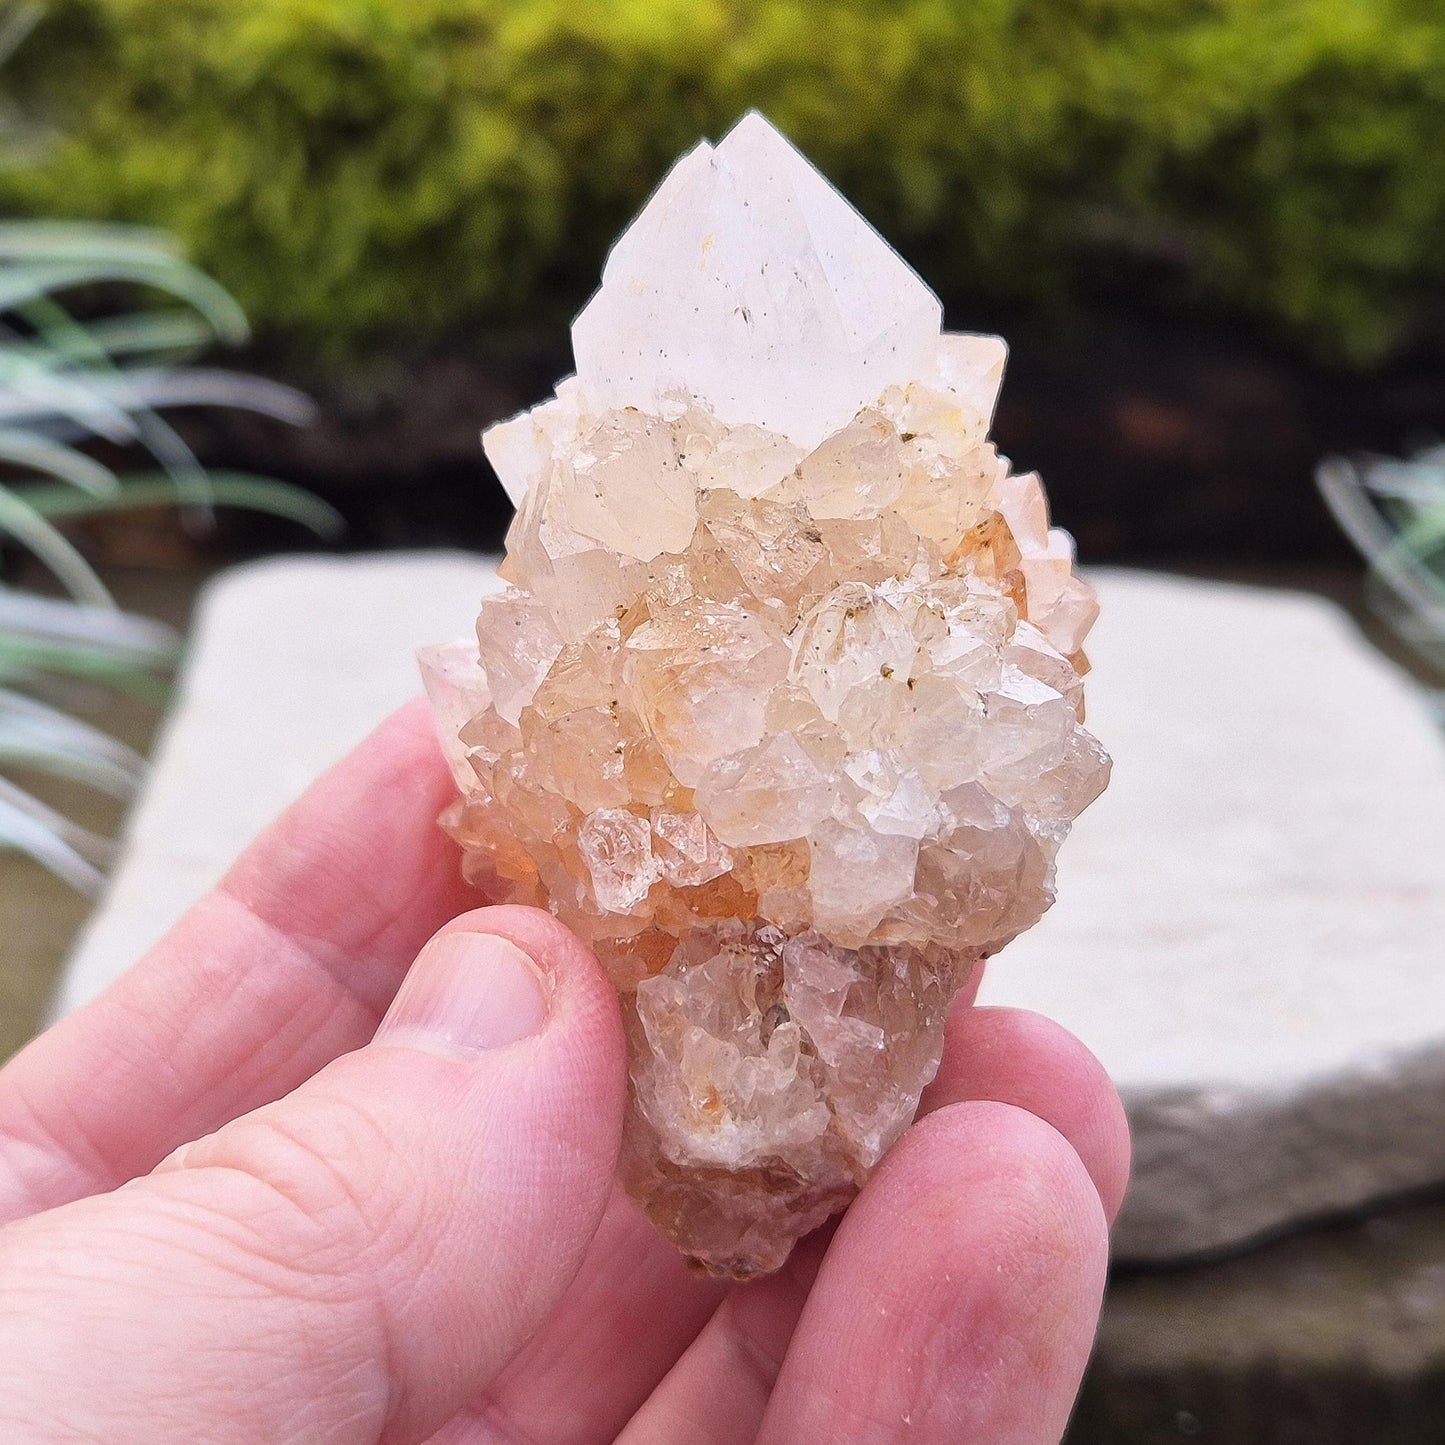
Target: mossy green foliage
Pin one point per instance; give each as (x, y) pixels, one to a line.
(355, 170)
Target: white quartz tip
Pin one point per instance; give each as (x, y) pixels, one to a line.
(750, 283)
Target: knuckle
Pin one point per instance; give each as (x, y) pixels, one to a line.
(324, 1190)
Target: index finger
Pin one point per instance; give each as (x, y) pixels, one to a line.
(291, 961)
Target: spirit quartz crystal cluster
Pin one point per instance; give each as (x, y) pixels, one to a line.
(781, 707)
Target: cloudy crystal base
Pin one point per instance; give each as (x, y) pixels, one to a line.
(770, 1074)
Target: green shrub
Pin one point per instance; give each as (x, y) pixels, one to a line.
(355, 170)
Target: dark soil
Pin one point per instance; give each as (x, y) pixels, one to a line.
(1159, 442)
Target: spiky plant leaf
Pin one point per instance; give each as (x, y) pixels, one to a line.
(42, 738)
(71, 852)
(63, 381)
(1393, 510)
(225, 488)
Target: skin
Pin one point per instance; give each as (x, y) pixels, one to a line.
(228, 1212)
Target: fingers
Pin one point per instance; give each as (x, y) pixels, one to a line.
(290, 962)
(359, 1259)
(1016, 1057)
(633, 1308)
(958, 1300)
(718, 1391)
(631, 1312)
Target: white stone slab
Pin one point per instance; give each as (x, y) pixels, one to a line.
(1251, 925)
(292, 662)
(1251, 929)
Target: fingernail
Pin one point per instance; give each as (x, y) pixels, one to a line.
(465, 993)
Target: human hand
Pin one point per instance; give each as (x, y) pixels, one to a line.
(235, 1210)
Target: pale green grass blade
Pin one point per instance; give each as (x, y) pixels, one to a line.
(36, 756)
(148, 389)
(26, 664)
(1394, 513)
(144, 333)
(1423, 537)
(35, 735)
(72, 853)
(137, 641)
(60, 384)
(228, 489)
(1361, 521)
(54, 324)
(32, 394)
(20, 520)
(46, 637)
(31, 241)
(22, 284)
(38, 453)
(1419, 481)
(206, 386)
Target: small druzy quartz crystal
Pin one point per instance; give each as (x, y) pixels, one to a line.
(781, 707)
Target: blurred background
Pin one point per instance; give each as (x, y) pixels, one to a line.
(1211, 231)
(267, 269)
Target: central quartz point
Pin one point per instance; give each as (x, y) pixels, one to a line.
(781, 708)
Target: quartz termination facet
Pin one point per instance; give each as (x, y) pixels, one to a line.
(781, 707)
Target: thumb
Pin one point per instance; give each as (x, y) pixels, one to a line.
(355, 1261)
